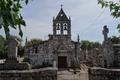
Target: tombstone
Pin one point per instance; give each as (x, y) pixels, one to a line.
(105, 33)
(54, 64)
(11, 62)
(12, 48)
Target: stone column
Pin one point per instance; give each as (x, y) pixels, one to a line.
(12, 49)
(54, 64)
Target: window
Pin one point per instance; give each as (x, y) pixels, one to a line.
(65, 29)
(58, 28)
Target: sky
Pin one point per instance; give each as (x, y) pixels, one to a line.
(87, 19)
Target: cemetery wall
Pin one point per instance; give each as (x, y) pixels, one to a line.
(104, 74)
(35, 74)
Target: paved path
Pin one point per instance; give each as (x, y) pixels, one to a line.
(69, 75)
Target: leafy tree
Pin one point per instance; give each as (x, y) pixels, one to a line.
(10, 15)
(3, 52)
(33, 42)
(114, 7)
(115, 40)
(85, 44)
(2, 40)
(3, 47)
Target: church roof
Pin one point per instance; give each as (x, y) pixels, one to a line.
(61, 16)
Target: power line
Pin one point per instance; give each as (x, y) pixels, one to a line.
(83, 31)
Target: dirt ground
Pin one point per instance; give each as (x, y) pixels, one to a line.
(69, 75)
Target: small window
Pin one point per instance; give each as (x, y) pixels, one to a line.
(65, 24)
(58, 28)
(65, 28)
(36, 50)
(58, 32)
(58, 25)
(65, 32)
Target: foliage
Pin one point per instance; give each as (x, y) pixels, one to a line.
(114, 7)
(87, 45)
(2, 44)
(33, 42)
(3, 47)
(10, 15)
(3, 52)
(115, 40)
(21, 51)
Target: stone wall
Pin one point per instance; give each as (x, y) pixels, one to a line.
(35, 74)
(96, 73)
(15, 66)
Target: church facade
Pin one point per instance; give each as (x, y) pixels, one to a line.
(62, 52)
(59, 50)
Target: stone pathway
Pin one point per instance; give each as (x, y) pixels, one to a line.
(69, 75)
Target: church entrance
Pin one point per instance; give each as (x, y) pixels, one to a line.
(62, 61)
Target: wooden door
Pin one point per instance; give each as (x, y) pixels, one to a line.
(62, 62)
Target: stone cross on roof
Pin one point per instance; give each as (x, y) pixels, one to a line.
(61, 5)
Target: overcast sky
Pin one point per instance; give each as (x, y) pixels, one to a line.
(87, 18)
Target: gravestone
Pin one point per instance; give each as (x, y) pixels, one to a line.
(12, 50)
(11, 62)
(54, 64)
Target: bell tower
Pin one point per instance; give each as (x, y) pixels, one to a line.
(62, 24)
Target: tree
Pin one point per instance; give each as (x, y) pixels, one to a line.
(2, 48)
(34, 42)
(85, 44)
(10, 15)
(115, 40)
(114, 7)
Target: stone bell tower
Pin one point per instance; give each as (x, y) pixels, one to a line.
(62, 24)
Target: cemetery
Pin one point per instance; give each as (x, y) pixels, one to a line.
(59, 57)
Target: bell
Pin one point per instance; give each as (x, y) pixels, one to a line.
(58, 28)
(65, 28)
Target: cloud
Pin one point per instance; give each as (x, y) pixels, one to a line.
(87, 18)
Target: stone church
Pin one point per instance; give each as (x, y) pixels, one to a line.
(59, 50)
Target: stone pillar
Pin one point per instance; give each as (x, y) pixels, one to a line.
(54, 64)
(61, 28)
(54, 29)
(12, 49)
(107, 49)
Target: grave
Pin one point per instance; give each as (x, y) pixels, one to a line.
(11, 62)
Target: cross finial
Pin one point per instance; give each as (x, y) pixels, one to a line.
(61, 5)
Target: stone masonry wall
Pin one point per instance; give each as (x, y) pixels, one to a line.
(35, 74)
(104, 74)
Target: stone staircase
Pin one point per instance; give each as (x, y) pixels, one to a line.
(83, 68)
